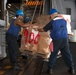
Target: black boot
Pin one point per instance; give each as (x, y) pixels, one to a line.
(16, 66)
(49, 71)
(71, 71)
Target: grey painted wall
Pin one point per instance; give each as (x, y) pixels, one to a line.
(61, 6)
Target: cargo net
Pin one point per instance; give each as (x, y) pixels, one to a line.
(37, 42)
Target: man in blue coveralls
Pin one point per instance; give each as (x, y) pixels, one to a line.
(59, 35)
(11, 38)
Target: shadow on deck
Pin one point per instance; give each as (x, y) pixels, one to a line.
(36, 66)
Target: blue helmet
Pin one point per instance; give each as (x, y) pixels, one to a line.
(52, 11)
(27, 19)
(19, 12)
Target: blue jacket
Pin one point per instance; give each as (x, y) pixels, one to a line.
(57, 27)
(13, 29)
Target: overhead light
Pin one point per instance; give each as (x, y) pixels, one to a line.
(9, 4)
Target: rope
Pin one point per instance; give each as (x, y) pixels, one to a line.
(44, 6)
(40, 9)
(55, 5)
(61, 6)
(34, 12)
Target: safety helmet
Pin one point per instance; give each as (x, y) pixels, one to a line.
(27, 19)
(52, 11)
(19, 12)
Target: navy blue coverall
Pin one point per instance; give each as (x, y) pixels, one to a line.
(11, 39)
(58, 33)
